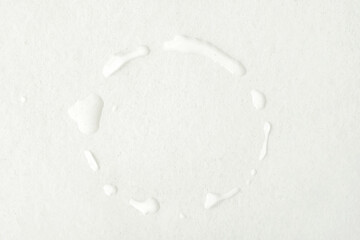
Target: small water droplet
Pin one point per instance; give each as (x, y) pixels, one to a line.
(149, 206)
(87, 113)
(258, 99)
(110, 189)
(263, 152)
(115, 108)
(119, 59)
(91, 160)
(192, 45)
(23, 99)
(213, 199)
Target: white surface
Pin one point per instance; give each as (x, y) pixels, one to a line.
(184, 125)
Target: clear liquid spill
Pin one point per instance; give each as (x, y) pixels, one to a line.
(87, 113)
(149, 206)
(213, 199)
(120, 59)
(110, 189)
(253, 172)
(197, 46)
(91, 160)
(263, 152)
(258, 99)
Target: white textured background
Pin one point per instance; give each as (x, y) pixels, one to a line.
(185, 126)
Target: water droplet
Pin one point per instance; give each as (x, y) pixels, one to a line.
(258, 99)
(23, 99)
(149, 206)
(253, 172)
(197, 46)
(87, 113)
(120, 59)
(114, 108)
(263, 151)
(213, 199)
(91, 160)
(110, 189)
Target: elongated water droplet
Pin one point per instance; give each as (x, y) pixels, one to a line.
(197, 46)
(91, 160)
(263, 152)
(149, 206)
(213, 199)
(120, 59)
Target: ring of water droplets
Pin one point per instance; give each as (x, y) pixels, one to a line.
(87, 112)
